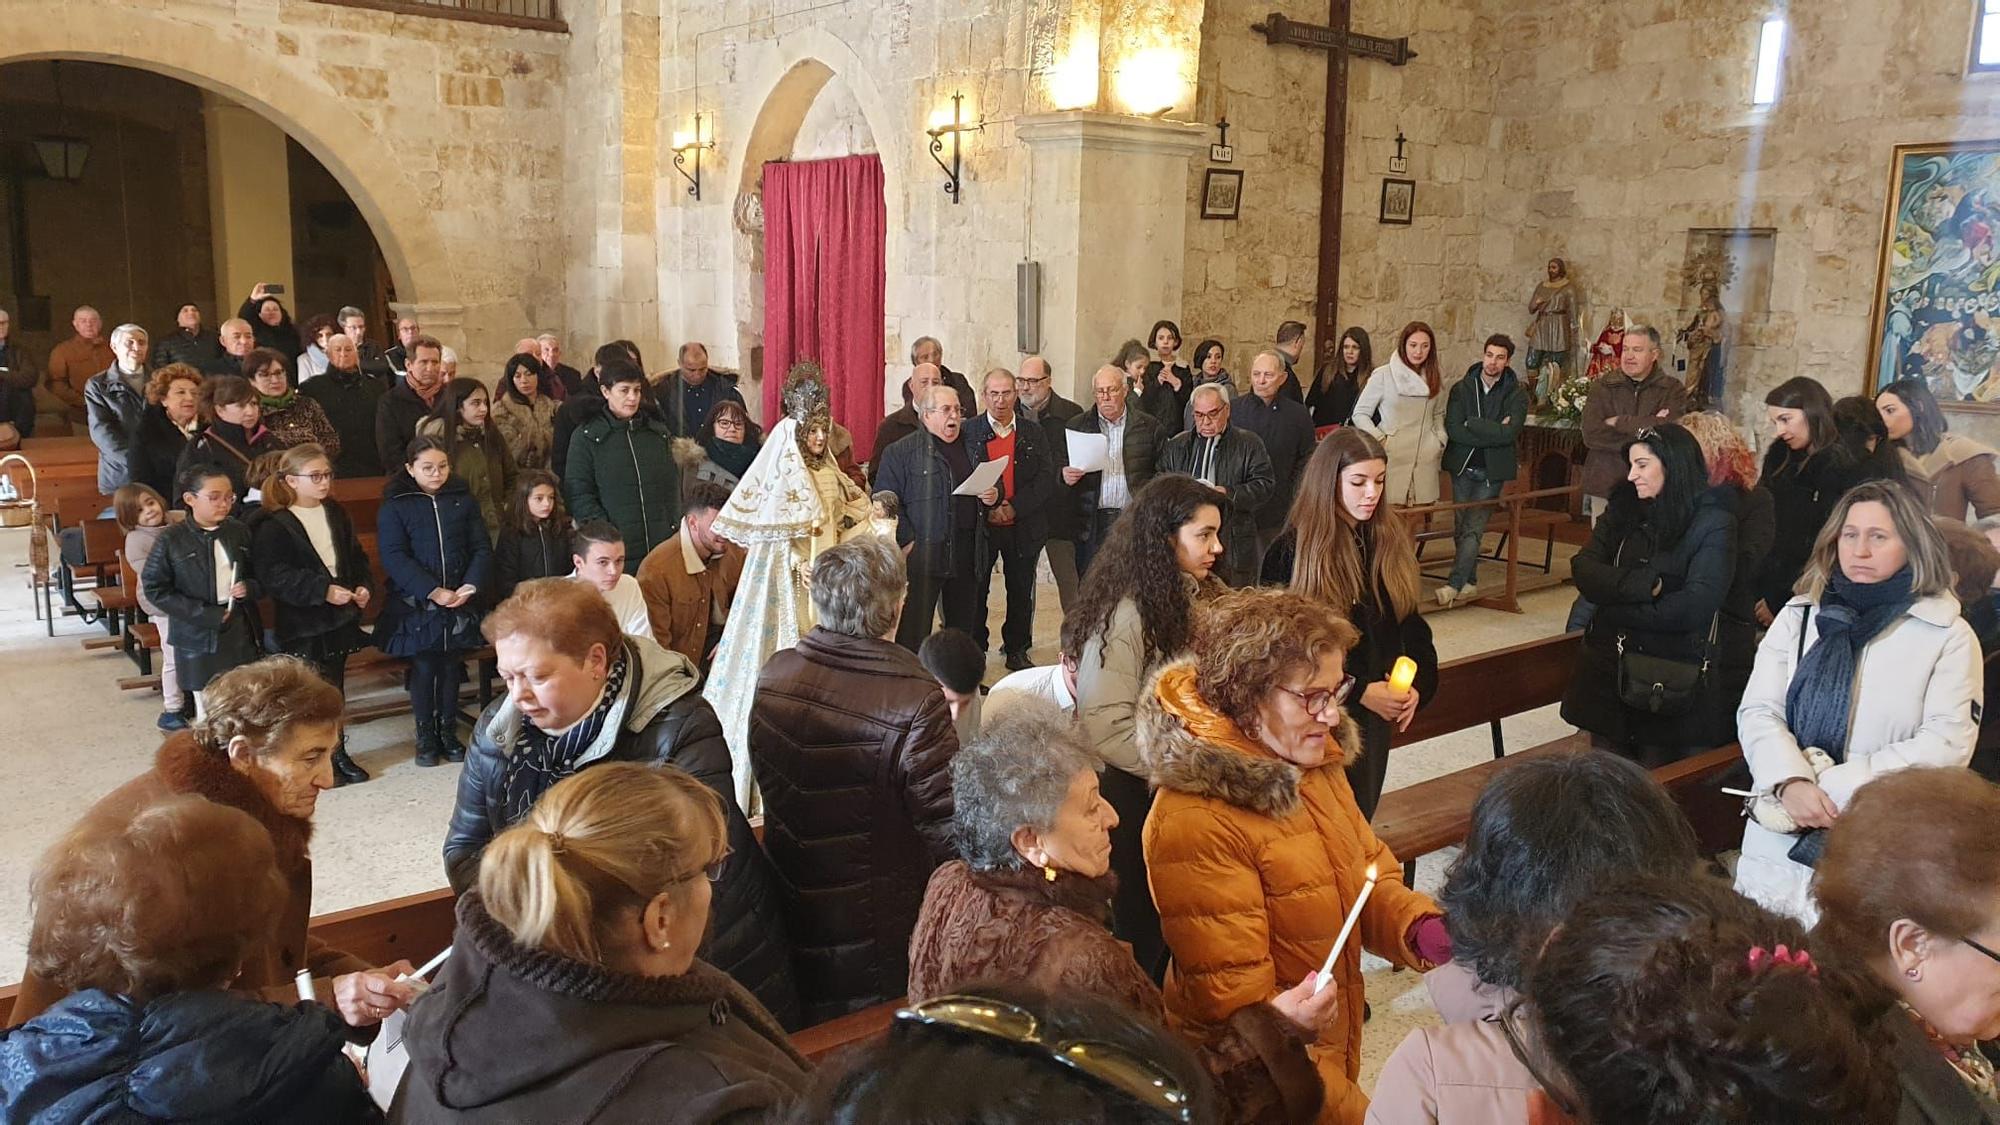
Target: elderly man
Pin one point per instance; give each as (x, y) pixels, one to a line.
(1039, 401)
(1017, 527)
(238, 341)
(945, 533)
(398, 357)
(693, 390)
(904, 422)
(115, 400)
(405, 404)
(75, 360)
(1622, 403)
(564, 380)
(1232, 461)
(1286, 428)
(928, 350)
(597, 557)
(19, 375)
(1133, 444)
(188, 343)
(689, 581)
(1040, 404)
(852, 744)
(350, 396)
(1290, 341)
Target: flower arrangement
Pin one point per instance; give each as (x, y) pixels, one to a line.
(1565, 403)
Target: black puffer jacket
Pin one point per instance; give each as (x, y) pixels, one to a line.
(524, 556)
(1804, 488)
(1618, 570)
(661, 720)
(623, 470)
(187, 1056)
(852, 744)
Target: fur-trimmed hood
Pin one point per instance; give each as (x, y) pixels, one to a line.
(1187, 746)
(188, 767)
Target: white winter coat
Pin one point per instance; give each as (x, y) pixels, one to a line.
(1915, 702)
(1411, 429)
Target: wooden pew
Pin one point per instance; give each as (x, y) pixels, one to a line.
(1492, 686)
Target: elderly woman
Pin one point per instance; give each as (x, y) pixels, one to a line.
(172, 395)
(728, 443)
(144, 922)
(292, 418)
(272, 325)
(1255, 847)
(265, 747)
(313, 361)
(1031, 902)
(1869, 669)
(1912, 902)
(1545, 834)
(574, 991)
(580, 693)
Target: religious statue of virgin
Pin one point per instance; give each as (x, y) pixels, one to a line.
(792, 503)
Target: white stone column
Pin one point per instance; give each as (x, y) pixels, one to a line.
(1108, 200)
(249, 203)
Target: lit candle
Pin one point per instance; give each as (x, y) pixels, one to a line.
(1339, 943)
(1402, 675)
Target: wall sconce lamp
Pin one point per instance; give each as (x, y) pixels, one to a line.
(685, 146)
(939, 130)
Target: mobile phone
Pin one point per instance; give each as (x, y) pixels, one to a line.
(273, 290)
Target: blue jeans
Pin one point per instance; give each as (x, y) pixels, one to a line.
(1469, 525)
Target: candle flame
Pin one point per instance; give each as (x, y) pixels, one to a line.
(1371, 872)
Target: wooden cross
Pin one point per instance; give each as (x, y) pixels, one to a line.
(1340, 42)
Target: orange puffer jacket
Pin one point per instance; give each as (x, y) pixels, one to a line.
(1254, 863)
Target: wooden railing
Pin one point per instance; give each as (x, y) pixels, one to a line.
(533, 15)
(1514, 512)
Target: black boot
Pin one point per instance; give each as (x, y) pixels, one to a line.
(447, 738)
(345, 771)
(427, 743)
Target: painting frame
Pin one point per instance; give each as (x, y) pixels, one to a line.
(1404, 209)
(1932, 289)
(1222, 193)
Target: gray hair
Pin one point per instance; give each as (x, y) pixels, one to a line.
(999, 371)
(1016, 773)
(349, 312)
(1213, 389)
(858, 586)
(930, 404)
(548, 338)
(124, 330)
(1646, 330)
(919, 344)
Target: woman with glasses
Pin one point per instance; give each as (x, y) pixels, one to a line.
(292, 418)
(1030, 901)
(1347, 548)
(582, 694)
(1869, 668)
(729, 442)
(232, 433)
(1255, 848)
(1931, 940)
(1658, 567)
(575, 991)
(311, 565)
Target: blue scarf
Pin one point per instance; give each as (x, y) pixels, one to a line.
(1821, 698)
(539, 759)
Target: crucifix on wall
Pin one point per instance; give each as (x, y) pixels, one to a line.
(1340, 42)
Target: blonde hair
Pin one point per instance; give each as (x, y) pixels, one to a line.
(1929, 561)
(1723, 448)
(596, 847)
(278, 492)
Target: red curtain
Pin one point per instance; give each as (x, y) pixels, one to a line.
(824, 226)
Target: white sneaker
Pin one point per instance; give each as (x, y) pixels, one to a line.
(1446, 595)
(1470, 592)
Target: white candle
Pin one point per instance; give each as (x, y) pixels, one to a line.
(1339, 943)
(305, 982)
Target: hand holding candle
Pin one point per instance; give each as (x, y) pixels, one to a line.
(1340, 942)
(1402, 675)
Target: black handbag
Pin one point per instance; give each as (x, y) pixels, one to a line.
(1661, 685)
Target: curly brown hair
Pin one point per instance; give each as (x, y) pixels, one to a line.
(1246, 641)
(264, 699)
(159, 382)
(167, 901)
(1137, 562)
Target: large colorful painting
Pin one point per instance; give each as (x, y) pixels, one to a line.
(1937, 298)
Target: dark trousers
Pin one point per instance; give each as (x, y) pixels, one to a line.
(953, 596)
(434, 680)
(1134, 918)
(1091, 538)
(1366, 775)
(1017, 555)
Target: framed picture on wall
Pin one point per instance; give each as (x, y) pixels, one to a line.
(1222, 193)
(1936, 314)
(1399, 201)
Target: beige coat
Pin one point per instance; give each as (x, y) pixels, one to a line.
(1464, 1073)
(529, 431)
(1957, 475)
(1411, 430)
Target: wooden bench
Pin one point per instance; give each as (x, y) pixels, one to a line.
(1492, 686)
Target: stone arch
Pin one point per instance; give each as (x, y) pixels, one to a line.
(308, 111)
(785, 89)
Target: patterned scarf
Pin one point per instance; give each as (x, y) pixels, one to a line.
(1821, 698)
(539, 759)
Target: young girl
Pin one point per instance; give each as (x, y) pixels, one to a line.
(142, 516)
(1347, 547)
(437, 556)
(198, 574)
(232, 433)
(312, 565)
(479, 455)
(534, 540)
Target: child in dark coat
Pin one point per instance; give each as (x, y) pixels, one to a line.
(199, 575)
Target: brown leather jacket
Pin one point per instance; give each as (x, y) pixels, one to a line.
(852, 743)
(184, 766)
(679, 603)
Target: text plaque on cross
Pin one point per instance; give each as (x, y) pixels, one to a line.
(1277, 29)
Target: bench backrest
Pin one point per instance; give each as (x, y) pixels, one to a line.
(1474, 690)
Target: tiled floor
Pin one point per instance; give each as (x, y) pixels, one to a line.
(67, 735)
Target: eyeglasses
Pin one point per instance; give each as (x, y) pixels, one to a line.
(1107, 392)
(218, 497)
(316, 478)
(712, 872)
(1108, 1064)
(1989, 953)
(1317, 701)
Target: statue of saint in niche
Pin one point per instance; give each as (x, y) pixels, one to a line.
(1703, 338)
(1552, 326)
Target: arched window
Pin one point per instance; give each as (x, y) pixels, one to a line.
(1985, 37)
